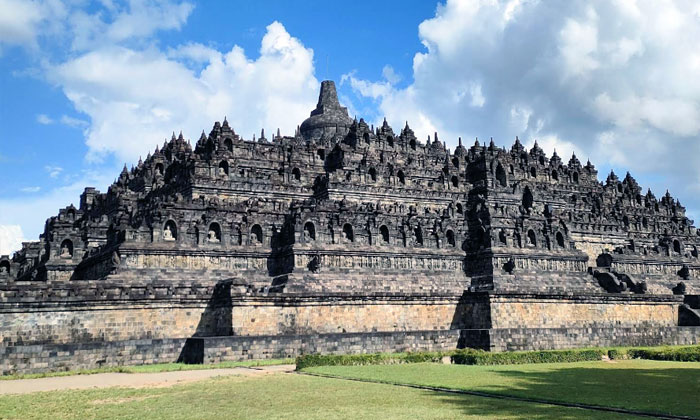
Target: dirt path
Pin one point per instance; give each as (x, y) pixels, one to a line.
(130, 380)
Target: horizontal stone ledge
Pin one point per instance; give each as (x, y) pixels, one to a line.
(612, 297)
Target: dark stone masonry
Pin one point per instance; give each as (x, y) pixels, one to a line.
(347, 238)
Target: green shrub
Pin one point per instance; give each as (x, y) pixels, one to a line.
(310, 360)
(618, 354)
(480, 357)
(678, 354)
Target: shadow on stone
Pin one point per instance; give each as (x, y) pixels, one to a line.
(472, 317)
(216, 320)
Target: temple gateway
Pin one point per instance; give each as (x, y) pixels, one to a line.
(347, 238)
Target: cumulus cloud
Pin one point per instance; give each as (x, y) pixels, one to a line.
(612, 80)
(18, 22)
(135, 98)
(11, 238)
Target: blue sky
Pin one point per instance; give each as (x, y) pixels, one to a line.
(88, 86)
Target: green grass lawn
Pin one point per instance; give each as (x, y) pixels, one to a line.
(652, 386)
(157, 367)
(278, 396)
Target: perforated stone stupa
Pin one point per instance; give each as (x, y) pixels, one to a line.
(347, 238)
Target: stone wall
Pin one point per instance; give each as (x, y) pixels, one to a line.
(218, 349)
(49, 357)
(56, 357)
(91, 317)
(584, 311)
(514, 339)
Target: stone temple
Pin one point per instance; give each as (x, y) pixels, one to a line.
(347, 238)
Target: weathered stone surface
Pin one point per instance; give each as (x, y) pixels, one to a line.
(354, 235)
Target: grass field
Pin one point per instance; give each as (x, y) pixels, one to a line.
(280, 396)
(644, 385)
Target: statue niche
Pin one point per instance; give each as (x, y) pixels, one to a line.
(170, 231)
(214, 235)
(66, 249)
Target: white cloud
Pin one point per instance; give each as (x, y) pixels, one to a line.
(73, 122)
(136, 98)
(30, 189)
(18, 22)
(615, 81)
(11, 238)
(44, 119)
(123, 21)
(53, 171)
(390, 75)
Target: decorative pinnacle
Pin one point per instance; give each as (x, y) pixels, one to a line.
(327, 98)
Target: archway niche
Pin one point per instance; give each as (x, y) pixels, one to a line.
(418, 234)
(555, 175)
(402, 177)
(384, 232)
(450, 235)
(223, 168)
(159, 169)
(528, 200)
(560, 240)
(676, 246)
(373, 174)
(455, 162)
(502, 237)
(531, 238)
(228, 144)
(348, 234)
(296, 173)
(533, 172)
(390, 141)
(170, 231)
(412, 143)
(4, 268)
(256, 234)
(66, 250)
(501, 176)
(460, 209)
(455, 181)
(321, 153)
(366, 137)
(214, 233)
(309, 231)
(574, 176)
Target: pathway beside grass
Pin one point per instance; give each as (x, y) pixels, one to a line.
(137, 380)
